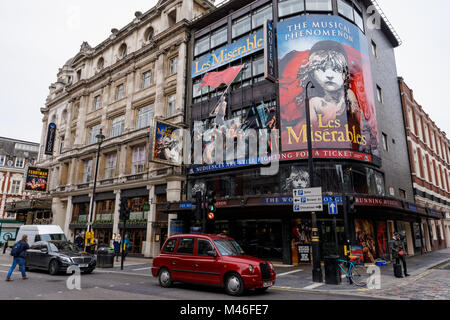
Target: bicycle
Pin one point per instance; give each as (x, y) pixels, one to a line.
(355, 272)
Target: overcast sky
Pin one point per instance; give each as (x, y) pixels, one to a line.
(39, 36)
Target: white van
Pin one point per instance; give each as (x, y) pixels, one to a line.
(37, 233)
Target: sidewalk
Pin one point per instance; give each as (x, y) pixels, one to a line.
(300, 278)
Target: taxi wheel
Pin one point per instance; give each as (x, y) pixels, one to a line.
(234, 285)
(53, 267)
(165, 278)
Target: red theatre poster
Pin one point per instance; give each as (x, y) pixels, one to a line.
(365, 237)
(332, 55)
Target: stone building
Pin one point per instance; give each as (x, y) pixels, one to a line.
(120, 86)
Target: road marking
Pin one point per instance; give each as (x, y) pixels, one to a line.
(294, 271)
(125, 273)
(313, 286)
(141, 269)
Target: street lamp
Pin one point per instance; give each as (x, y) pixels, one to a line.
(317, 268)
(100, 138)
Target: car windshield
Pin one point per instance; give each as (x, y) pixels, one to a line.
(62, 246)
(228, 247)
(56, 236)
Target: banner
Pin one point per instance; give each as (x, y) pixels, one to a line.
(51, 134)
(262, 116)
(226, 54)
(167, 144)
(332, 56)
(36, 179)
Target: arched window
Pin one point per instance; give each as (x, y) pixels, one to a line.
(148, 35)
(123, 50)
(100, 63)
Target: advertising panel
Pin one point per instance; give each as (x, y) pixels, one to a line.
(36, 179)
(365, 238)
(332, 56)
(51, 133)
(226, 54)
(167, 145)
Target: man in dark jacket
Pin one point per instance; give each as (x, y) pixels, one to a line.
(79, 241)
(19, 259)
(398, 251)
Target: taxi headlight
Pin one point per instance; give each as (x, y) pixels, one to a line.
(250, 267)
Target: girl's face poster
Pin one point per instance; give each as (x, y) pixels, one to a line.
(331, 56)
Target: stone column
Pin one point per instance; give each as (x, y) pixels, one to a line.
(116, 211)
(67, 137)
(173, 194)
(150, 244)
(81, 132)
(69, 210)
(129, 117)
(160, 106)
(181, 78)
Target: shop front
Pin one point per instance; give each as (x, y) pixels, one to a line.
(80, 215)
(31, 211)
(136, 229)
(104, 218)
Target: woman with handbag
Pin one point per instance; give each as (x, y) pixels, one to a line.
(398, 252)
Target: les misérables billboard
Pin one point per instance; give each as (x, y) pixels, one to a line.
(333, 54)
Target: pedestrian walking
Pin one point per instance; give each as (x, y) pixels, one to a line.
(79, 241)
(398, 253)
(125, 246)
(19, 252)
(116, 244)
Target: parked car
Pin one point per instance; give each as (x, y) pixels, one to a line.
(56, 256)
(38, 233)
(211, 260)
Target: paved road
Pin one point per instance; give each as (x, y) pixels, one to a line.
(133, 283)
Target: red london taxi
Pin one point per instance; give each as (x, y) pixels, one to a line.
(215, 260)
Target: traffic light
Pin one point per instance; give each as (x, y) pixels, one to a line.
(211, 203)
(351, 204)
(198, 206)
(124, 211)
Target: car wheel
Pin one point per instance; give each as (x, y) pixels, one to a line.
(165, 278)
(53, 267)
(234, 285)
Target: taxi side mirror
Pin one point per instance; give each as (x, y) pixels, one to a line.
(212, 253)
(44, 250)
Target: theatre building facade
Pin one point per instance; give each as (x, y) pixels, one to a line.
(333, 50)
(119, 88)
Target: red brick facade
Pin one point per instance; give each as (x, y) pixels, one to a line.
(430, 162)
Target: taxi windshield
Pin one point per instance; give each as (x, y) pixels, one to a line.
(228, 247)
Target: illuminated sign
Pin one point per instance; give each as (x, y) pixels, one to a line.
(226, 54)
